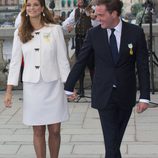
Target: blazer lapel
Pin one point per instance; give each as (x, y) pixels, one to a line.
(103, 35)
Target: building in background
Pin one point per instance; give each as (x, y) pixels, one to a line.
(9, 2)
(64, 7)
(10, 8)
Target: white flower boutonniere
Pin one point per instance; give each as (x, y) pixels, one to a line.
(130, 46)
(46, 37)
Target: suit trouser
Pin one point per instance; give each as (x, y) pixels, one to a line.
(90, 62)
(114, 119)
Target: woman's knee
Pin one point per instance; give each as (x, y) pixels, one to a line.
(54, 130)
(39, 131)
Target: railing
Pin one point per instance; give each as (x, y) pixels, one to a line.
(7, 33)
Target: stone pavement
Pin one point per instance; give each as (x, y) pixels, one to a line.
(81, 135)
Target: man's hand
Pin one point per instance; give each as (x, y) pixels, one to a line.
(141, 107)
(8, 100)
(73, 96)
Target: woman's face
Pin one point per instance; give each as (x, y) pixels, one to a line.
(33, 8)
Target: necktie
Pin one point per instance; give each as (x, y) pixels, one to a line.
(113, 46)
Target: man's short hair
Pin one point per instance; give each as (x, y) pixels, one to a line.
(111, 5)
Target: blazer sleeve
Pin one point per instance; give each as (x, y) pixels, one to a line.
(79, 66)
(62, 59)
(143, 67)
(15, 64)
(70, 20)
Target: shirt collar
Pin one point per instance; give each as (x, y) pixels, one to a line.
(117, 28)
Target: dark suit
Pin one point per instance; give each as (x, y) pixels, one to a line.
(114, 104)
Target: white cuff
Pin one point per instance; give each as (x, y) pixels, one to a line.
(144, 100)
(68, 93)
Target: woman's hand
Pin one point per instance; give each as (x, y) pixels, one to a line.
(8, 100)
(141, 107)
(73, 96)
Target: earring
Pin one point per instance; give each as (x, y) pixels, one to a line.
(26, 15)
(43, 14)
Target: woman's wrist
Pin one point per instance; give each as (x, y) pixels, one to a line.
(9, 89)
(8, 92)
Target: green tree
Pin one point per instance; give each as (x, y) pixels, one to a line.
(135, 8)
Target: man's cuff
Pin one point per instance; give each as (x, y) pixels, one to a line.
(144, 101)
(68, 93)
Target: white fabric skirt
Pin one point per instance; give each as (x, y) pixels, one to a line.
(44, 103)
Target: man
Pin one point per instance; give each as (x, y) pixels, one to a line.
(118, 47)
(82, 21)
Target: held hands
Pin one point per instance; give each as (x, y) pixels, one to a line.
(73, 96)
(8, 100)
(141, 107)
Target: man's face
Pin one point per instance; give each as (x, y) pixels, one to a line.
(80, 3)
(106, 18)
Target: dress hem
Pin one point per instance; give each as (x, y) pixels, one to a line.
(48, 123)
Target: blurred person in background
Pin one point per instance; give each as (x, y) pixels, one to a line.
(80, 20)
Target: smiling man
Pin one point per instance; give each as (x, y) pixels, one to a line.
(119, 48)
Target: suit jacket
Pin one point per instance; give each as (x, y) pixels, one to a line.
(44, 55)
(133, 53)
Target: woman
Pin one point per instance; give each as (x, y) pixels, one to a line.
(46, 68)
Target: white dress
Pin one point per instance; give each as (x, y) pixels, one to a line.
(46, 68)
(44, 103)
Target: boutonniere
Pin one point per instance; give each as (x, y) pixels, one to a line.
(130, 46)
(46, 37)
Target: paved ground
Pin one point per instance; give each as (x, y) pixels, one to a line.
(81, 135)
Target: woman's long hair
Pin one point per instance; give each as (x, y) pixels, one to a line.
(26, 29)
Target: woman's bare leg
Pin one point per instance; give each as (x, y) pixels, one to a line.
(54, 139)
(39, 141)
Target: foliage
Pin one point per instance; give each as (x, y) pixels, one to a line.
(139, 17)
(135, 8)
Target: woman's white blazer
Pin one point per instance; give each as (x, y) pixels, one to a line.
(44, 55)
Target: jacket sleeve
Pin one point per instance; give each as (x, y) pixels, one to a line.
(143, 67)
(15, 64)
(62, 59)
(69, 21)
